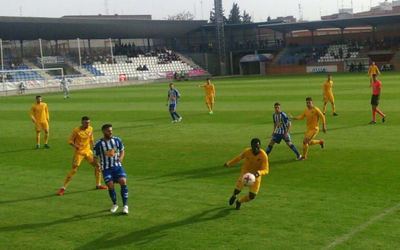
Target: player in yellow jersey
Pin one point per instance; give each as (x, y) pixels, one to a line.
(39, 114)
(373, 70)
(313, 116)
(82, 141)
(328, 95)
(209, 89)
(255, 162)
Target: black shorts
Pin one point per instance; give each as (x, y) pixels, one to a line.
(375, 100)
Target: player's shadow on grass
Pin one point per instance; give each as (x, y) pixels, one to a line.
(332, 129)
(165, 118)
(41, 197)
(76, 218)
(18, 150)
(199, 173)
(154, 233)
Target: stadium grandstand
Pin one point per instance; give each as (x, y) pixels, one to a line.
(106, 49)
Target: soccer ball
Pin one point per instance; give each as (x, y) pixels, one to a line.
(248, 179)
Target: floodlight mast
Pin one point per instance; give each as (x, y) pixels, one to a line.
(220, 35)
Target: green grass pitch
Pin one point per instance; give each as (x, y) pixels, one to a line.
(345, 196)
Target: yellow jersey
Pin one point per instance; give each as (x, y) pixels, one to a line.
(209, 89)
(327, 87)
(373, 70)
(313, 117)
(40, 112)
(83, 138)
(252, 163)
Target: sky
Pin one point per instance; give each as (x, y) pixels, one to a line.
(161, 9)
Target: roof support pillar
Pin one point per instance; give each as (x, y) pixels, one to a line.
(342, 33)
(79, 52)
(21, 47)
(41, 52)
(1, 54)
(312, 37)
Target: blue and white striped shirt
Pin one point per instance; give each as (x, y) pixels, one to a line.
(282, 123)
(173, 95)
(108, 151)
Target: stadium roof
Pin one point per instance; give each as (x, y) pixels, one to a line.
(33, 28)
(338, 23)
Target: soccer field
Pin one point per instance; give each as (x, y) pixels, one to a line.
(345, 196)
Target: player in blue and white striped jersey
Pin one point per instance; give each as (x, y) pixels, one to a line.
(172, 102)
(110, 153)
(281, 131)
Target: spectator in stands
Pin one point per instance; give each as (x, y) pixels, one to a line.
(360, 67)
(145, 68)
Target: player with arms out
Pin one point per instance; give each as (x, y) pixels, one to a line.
(209, 89)
(39, 114)
(81, 140)
(110, 153)
(313, 116)
(376, 86)
(281, 131)
(255, 162)
(172, 102)
(328, 95)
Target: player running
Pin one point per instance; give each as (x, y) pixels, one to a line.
(110, 153)
(281, 131)
(209, 89)
(255, 162)
(81, 140)
(328, 95)
(40, 117)
(313, 116)
(172, 102)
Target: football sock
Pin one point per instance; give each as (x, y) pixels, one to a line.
(305, 150)
(324, 108)
(113, 195)
(236, 192)
(98, 175)
(380, 112)
(37, 138)
(268, 150)
(69, 176)
(245, 198)
(172, 115)
(176, 114)
(333, 108)
(373, 114)
(46, 138)
(124, 194)
(315, 142)
(294, 149)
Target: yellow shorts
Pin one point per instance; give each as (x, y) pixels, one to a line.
(79, 156)
(41, 126)
(253, 189)
(210, 99)
(329, 98)
(311, 134)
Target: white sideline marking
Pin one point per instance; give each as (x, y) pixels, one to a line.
(362, 227)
